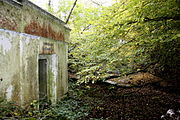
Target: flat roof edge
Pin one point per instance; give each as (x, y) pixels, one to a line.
(29, 3)
(47, 13)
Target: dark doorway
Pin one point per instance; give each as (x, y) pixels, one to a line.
(42, 82)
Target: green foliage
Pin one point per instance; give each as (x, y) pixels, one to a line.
(129, 36)
(67, 109)
(9, 109)
(71, 109)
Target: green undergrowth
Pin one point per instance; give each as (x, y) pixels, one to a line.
(100, 101)
(69, 108)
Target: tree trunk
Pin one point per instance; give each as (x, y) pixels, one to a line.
(71, 11)
(49, 3)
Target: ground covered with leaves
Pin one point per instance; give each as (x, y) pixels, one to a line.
(102, 101)
(110, 102)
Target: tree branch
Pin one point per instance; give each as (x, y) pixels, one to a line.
(49, 3)
(85, 28)
(161, 18)
(71, 11)
(96, 3)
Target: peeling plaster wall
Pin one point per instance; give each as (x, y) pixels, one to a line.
(29, 18)
(9, 66)
(26, 34)
(28, 64)
(19, 55)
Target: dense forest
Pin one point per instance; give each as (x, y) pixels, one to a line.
(121, 38)
(124, 38)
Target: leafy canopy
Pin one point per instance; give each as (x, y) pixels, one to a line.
(127, 37)
(130, 36)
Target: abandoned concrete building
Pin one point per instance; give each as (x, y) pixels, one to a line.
(33, 53)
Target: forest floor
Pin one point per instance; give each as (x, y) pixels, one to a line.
(100, 101)
(110, 102)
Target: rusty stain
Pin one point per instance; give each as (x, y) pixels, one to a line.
(43, 30)
(6, 23)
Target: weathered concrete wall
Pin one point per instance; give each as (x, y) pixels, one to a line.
(19, 55)
(29, 18)
(9, 66)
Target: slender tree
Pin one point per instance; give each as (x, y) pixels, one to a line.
(71, 11)
(49, 3)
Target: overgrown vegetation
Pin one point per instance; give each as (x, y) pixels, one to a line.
(99, 101)
(127, 37)
(70, 108)
(10, 110)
